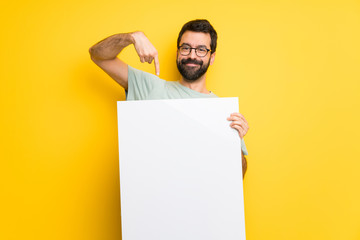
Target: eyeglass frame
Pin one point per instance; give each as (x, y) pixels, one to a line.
(191, 48)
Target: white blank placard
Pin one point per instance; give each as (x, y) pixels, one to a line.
(180, 170)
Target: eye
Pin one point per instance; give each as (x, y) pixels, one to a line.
(202, 50)
(185, 48)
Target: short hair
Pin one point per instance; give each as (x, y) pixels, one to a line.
(200, 25)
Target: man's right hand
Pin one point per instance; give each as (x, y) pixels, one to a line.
(104, 54)
(146, 50)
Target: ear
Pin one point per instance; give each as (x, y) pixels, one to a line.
(212, 58)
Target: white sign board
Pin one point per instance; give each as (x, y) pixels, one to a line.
(180, 170)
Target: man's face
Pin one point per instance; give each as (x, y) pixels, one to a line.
(192, 67)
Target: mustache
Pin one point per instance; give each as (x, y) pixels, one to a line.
(193, 61)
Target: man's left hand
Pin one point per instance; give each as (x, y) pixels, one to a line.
(239, 123)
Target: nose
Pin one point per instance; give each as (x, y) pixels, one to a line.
(192, 53)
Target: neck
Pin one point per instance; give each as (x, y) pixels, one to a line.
(198, 85)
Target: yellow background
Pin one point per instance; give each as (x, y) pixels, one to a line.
(295, 66)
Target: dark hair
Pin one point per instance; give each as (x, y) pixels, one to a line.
(200, 25)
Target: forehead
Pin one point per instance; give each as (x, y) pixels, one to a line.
(196, 38)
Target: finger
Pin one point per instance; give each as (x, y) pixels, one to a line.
(243, 125)
(240, 124)
(235, 118)
(157, 65)
(148, 59)
(142, 59)
(239, 115)
(236, 114)
(240, 131)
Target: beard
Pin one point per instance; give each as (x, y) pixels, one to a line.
(192, 73)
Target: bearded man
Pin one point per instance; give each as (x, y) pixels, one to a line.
(196, 50)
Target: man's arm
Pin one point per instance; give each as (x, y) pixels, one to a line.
(104, 54)
(244, 165)
(241, 125)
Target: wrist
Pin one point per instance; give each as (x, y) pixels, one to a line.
(133, 36)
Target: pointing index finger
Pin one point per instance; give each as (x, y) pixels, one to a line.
(157, 65)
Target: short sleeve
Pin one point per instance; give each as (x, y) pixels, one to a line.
(140, 84)
(243, 147)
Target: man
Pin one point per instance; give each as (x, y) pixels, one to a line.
(196, 51)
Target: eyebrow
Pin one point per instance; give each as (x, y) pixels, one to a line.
(191, 46)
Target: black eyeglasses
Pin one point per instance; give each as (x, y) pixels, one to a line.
(185, 50)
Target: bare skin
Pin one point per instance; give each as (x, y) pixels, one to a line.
(104, 54)
(196, 39)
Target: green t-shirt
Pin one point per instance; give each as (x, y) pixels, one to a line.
(147, 86)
